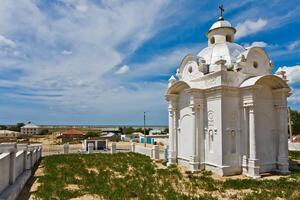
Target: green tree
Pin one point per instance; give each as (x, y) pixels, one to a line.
(128, 130)
(166, 131)
(3, 127)
(92, 134)
(295, 117)
(16, 127)
(44, 132)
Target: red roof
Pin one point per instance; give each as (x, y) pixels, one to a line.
(72, 132)
(296, 138)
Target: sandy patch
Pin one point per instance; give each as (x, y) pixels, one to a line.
(78, 177)
(88, 197)
(72, 187)
(95, 170)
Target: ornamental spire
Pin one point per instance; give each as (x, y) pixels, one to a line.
(222, 10)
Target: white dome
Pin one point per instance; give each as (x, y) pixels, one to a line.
(226, 51)
(220, 23)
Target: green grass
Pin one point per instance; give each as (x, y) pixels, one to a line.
(294, 155)
(130, 175)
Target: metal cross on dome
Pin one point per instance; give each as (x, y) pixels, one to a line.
(221, 7)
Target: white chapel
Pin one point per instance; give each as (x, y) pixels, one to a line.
(227, 111)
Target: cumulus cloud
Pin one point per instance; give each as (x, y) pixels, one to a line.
(292, 73)
(124, 69)
(94, 39)
(7, 42)
(256, 44)
(295, 97)
(249, 27)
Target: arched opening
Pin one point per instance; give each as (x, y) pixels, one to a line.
(212, 40)
(255, 64)
(228, 38)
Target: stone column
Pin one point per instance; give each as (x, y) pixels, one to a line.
(132, 147)
(113, 148)
(245, 141)
(283, 163)
(194, 161)
(201, 135)
(90, 147)
(66, 148)
(253, 162)
(155, 152)
(196, 102)
(172, 99)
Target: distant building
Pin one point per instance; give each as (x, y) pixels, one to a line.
(30, 129)
(71, 135)
(155, 132)
(109, 136)
(296, 139)
(8, 133)
(98, 144)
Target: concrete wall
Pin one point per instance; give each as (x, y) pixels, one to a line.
(294, 146)
(4, 169)
(20, 163)
(16, 162)
(153, 152)
(143, 150)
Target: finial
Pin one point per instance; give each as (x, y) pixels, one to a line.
(221, 7)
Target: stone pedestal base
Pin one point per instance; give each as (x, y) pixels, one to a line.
(172, 158)
(244, 164)
(193, 164)
(253, 168)
(283, 165)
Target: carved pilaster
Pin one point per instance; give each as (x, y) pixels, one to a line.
(196, 105)
(173, 101)
(282, 158)
(253, 162)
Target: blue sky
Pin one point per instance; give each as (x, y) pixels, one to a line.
(107, 61)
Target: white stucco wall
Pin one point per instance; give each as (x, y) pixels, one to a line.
(185, 133)
(143, 150)
(265, 124)
(213, 136)
(4, 169)
(231, 114)
(19, 163)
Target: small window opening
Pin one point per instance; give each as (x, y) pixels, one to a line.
(228, 38)
(255, 64)
(190, 69)
(212, 40)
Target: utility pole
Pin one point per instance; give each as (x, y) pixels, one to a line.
(145, 140)
(290, 123)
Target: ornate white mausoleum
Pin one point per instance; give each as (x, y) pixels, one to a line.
(227, 112)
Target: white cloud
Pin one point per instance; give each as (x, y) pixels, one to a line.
(66, 52)
(293, 45)
(94, 39)
(292, 73)
(124, 69)
(7, 42)
(295, 97)
(257, 44)
(249, 27)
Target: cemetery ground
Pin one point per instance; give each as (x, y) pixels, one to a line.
(135, 176)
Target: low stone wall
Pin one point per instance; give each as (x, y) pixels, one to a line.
(16, 162)
(4, 168)
(143, 150)
(294, 146)
(151, 152)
